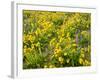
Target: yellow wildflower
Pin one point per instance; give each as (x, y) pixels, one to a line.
(81, 61)
(61, 60)
(57, 50)
(73, 50)
(30, 38)
(65, 54)
(74, 45)
(87, 63)
(45, 66)
(32, 46)
(68, 60)
(51, 66)
(82, 55)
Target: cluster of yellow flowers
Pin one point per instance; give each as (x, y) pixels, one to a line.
(56, 39)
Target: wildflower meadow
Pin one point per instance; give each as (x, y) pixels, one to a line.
(54, 39)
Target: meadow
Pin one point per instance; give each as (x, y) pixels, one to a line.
(54, 39)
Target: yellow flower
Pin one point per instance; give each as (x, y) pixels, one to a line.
(57, 45)
(68, 60)
(36, 32)
(68, 46)
(68, 40)
(56, 55)
(82, 49)
(32, 46)
(65, 54)
(52, 42)
(87, 63)
(57, 50)
(30, 38)
(74, 41)
(82, 55)
(68, 34)
(89, 49)
(81, 61)
(73, 50)
(45, 66)
(61, 60)
(24, 50)
(63, 34)
(74, 45)
(61, 39)
(51, 66)
(25, 38)
(84, 32)
(25, 46)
